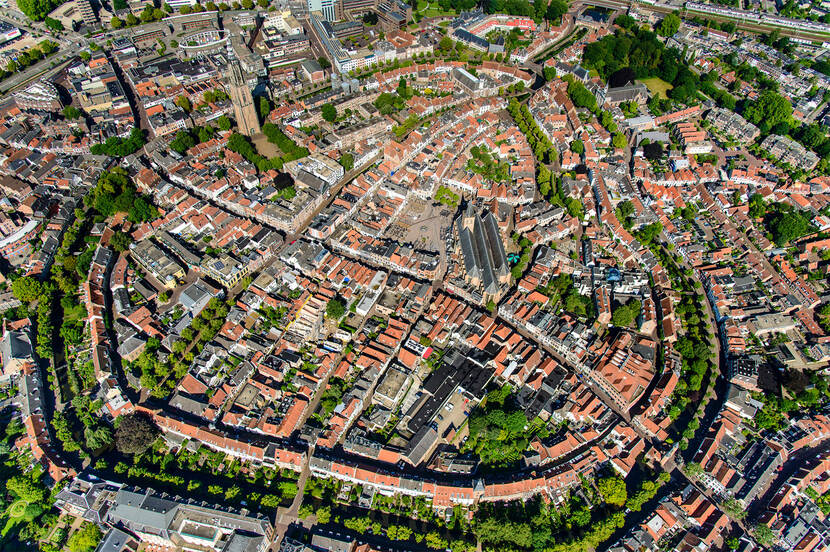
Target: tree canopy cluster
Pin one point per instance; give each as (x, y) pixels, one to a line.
(37, 10)
(783, 222)
(388, 103)
(806, 392)
(624, 315)
(572, 525)
(336, 308)
(640, 50)
(71, 112)
(85, 539)
(499, 430)
(115, 146)
(329, 112)
(115, 193)
(769, 111)
(160, 377)
(186, 139)
(562, 289)
(485, 164)
(538, 9)
(26, 515)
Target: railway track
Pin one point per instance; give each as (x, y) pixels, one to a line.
(741, 23)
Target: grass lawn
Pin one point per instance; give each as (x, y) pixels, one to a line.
(657, 86)
(17, 509)
(432, 9)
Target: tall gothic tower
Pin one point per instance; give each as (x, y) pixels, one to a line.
(243, 101)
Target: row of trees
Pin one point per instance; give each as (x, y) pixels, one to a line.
(544, 152)
(574, 525)
(242, 145)
(197, 474)
(291, 151)
(28, 58)
(222, 6)
(535, 525)
(538, 9)
(395, 532)
(149, 15)
(695, 347)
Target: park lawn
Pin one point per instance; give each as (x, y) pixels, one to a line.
(657, 86)
(17, 509)
(432, 9)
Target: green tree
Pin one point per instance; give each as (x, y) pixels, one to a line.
(734, 508)
(577, 147)
(693, 470)
(72, 112)
(625, 314)
(323, 514)
(85, 539)
(37, 10)
(25, 488)
(264, 108)
(556, 9)
(763, 534)
(224, 123)
(769, 110)
(135, 433)
(184, 103)
(613, 490)
(329, 112)
(669, 25)
(116, 22)
(120, 241)
(336, 308)
(53, 24)
(26, 289)
(347, 161)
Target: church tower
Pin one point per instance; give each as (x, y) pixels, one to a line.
(243, 101)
